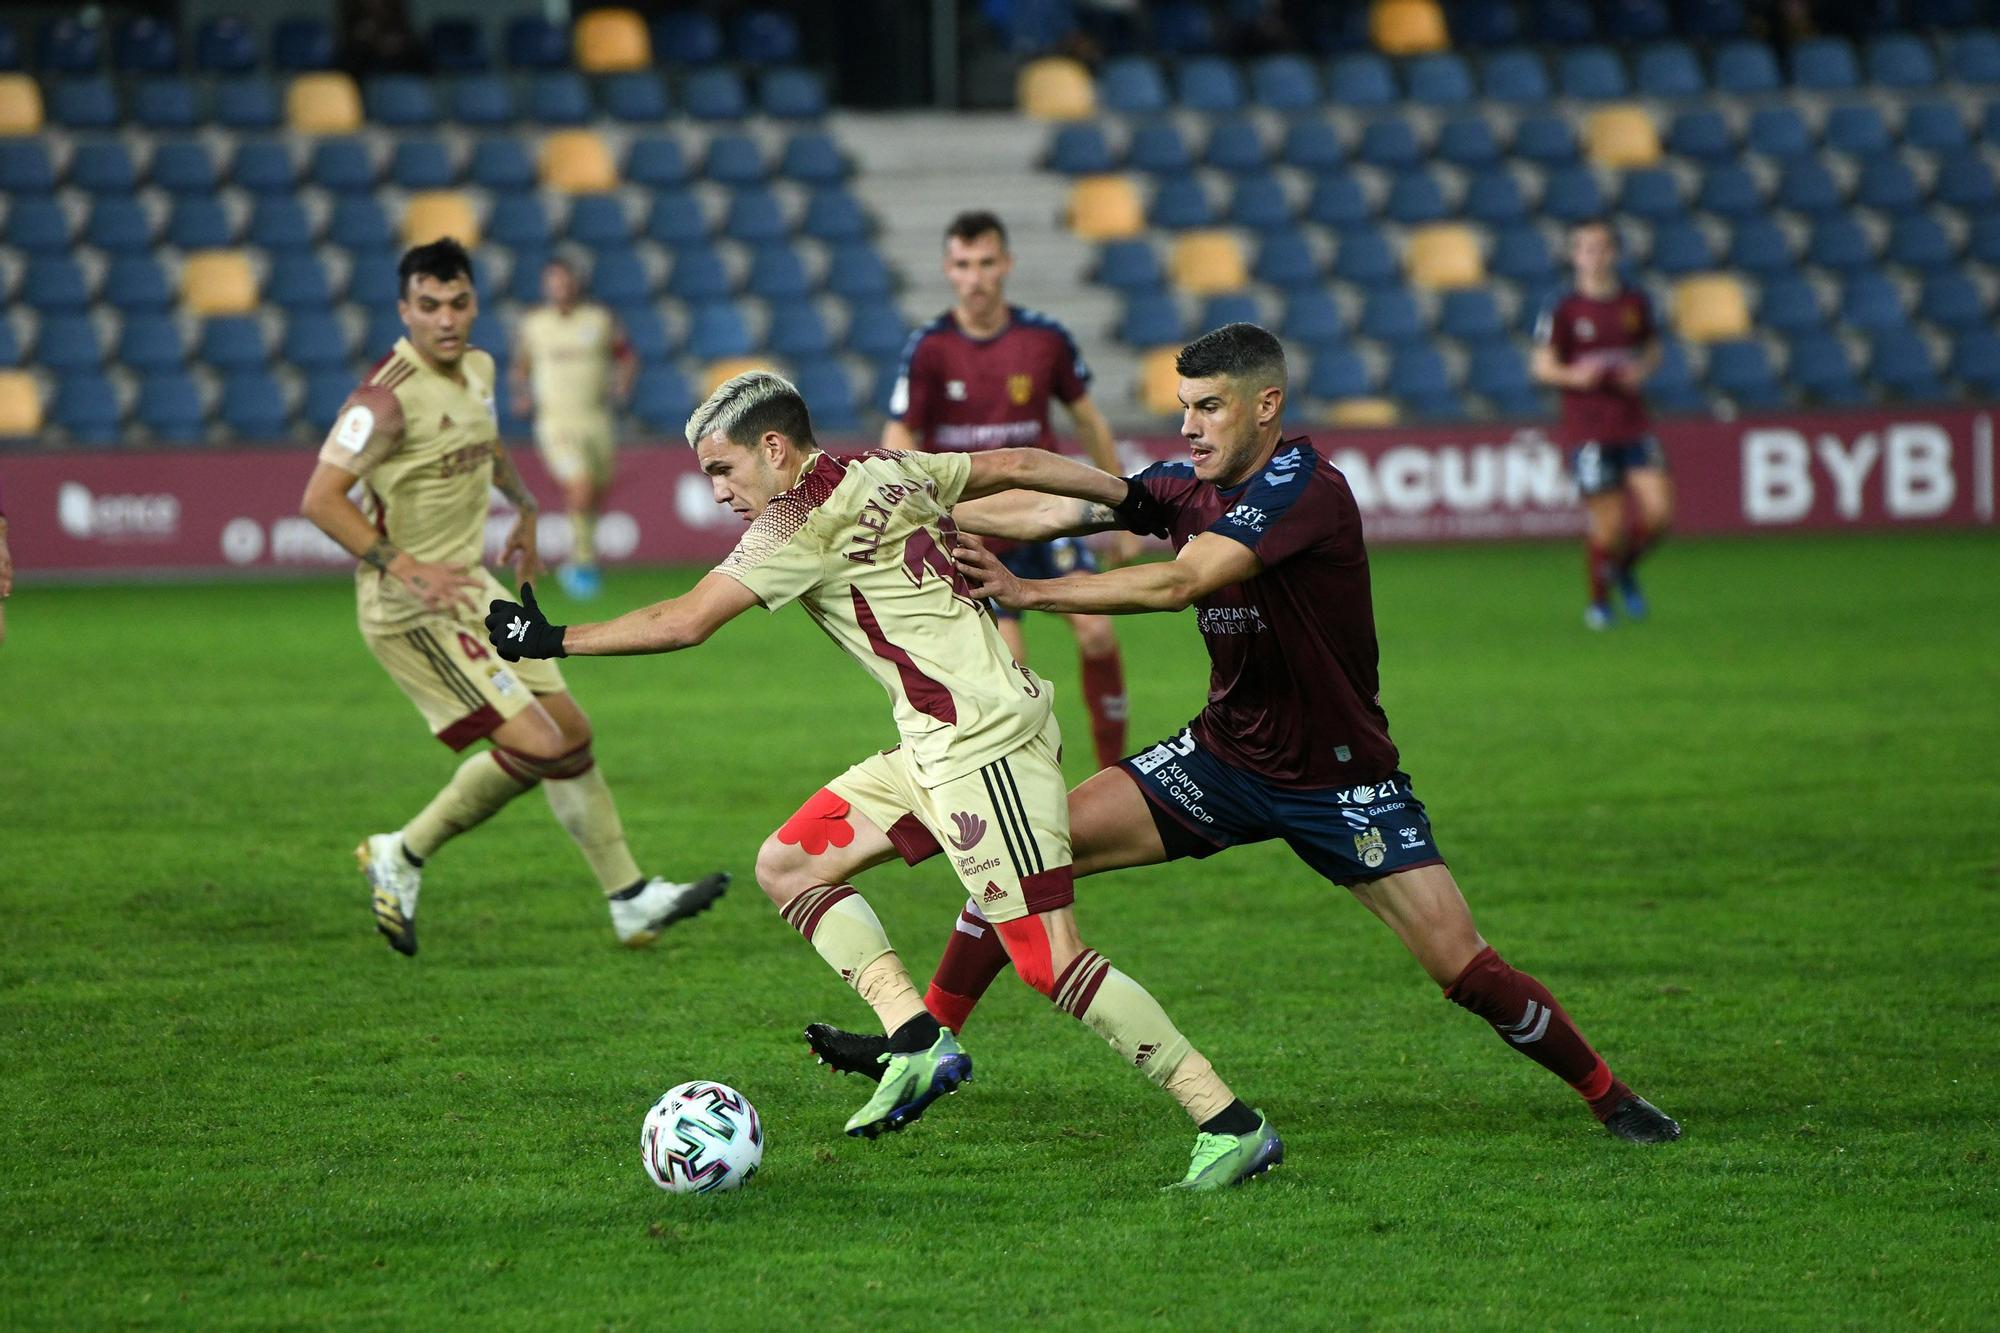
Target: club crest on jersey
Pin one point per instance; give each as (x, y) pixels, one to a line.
(1369, 848)
(1585, 329)
(955, 390)
(1019, 388)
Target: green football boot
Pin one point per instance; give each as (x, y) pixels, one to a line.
(911, 1082)
(1230, 1159)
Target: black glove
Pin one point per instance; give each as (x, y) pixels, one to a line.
(519, 629)
(1139, 512)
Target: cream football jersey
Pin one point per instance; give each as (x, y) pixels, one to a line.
(569, 359)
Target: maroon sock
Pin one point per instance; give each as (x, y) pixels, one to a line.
(1104, 693)
(1528, 1019)
(973, 957)
(1602, 565)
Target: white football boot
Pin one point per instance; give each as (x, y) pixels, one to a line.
(658, 903)
(395, 882)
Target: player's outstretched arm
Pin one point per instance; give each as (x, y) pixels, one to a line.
(519, 629)
(522, 553)
(1208, 562)
(439, 587)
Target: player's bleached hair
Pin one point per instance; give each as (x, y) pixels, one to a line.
(745, 406)
(1236, 351)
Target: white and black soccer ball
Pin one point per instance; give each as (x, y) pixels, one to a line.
(701, 1138)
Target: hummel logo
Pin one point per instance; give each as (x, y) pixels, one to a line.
(517, 630)
(994, 893)
(971, 828)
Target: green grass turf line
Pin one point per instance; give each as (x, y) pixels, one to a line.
(1750, 844)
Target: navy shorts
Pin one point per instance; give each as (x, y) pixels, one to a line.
(1348, 834)
(1600, 468)
(1046, 560)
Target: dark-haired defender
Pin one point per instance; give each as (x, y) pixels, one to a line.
(1598, 343)
(980, 376)
(1293, 743)
(419, 437)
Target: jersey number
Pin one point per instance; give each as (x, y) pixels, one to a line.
(474, 650)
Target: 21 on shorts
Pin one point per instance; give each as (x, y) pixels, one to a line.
(1600, 468)
(1348, 834)
(1045, 560)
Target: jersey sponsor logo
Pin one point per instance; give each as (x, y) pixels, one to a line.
(356, 424)
(1020, 388)
(1165, 750)
(968, 829)
(1248, 516)
(1229, 620)
(955, 390)
(1369, 848)
(990, 436)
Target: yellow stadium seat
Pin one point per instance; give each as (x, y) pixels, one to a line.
(1621, 137)
(20, 105)
(577, 162)
(326, 103)
(1055, 88)
(1159, 382)
(729, 368)
(1362, 412)
(1207, 262)
(432, 214)
(218, 282)
(1444, 255)
(1105, 208)
(1408, 27)
(611, 41)
(1711, 307)
(20, 404)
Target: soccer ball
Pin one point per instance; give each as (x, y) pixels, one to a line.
(701, 1138)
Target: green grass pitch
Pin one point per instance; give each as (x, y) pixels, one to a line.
(1751, 845)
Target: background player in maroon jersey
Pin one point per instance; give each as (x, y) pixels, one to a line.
(1293, 743)
(1598, 343)
(980, 376)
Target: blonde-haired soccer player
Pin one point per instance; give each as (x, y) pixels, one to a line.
(864, 545)
(419, 437)
(571, 366)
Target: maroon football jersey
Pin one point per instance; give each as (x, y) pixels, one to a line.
(958, 393)
(1602, 333)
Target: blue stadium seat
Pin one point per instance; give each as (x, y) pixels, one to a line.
(1653, 193)
(645, 332)
(314, 340)
(1902, 361)
(1711, 18)
(358, 223)
(165, 103)
(1080, 149)
(518, 221)
(1211, 84)
(524, 279)
(1680, 248)
(656, 163)
(1236, 145)
(225, 46)
(137, 283)
(1314, 318)
(234, 342)
(1415, 197)
(1572, 194)
(372, 282)
(1806, 186)
(1593, 73)
(1702, 134)
(183, 166)
(326, 393)
(734, 159)
(1742, 369)
(1391, 315)
(855, 271)
(301, 44)
(1391, 143)
(1152, 319)
(117, 225)
(1562, 21)
(101, 166)
(598, 220)
(677, 219)
(1419, 378)
(38, 224)
(502, 165)
(86, 405)
(1965, 181)
(637, 97)
(1840, 243)
(1746, 67)
(559, 97)
(1545, 139)
(754, 215)
(536, 43)
(1284, 83)
(1790, 303)
(1637, 20)
(1479, 23)
(198, 224)
(1338, 200)
(1470, 314)
(25, 167)
(1366, 258)
(797, 329)
(1935, 127)
(1181, 27)
(715, 94)
(1887, 185)
(70, 46)
(458, 46)
(1731, 191)
(1158, 147)
(263, 167)
(1975, 359)
(1668, 69)
(1522, 253)
(1975, 57)
(1825, 64)
(384, 327)
(619, 276)
(1983, 242)
(1516, 75)
(835, 214)
(170, 407)
(421, 164)
(1132, 85)
(246, 103)
(279, 223)
(1337, 373)
(764, 37)
(699, 274)
(1361, 79)
(1872, 301)
(1181, 202)
(686, 37)
(1497, 371)
(1468, 142)
(1778, 131)
(298, 281)
(718, 329)
(1819, 363)
(1286, 260)
(1228, 308)
(1672, 389)
(1130, 265)
(1312, 145)
(483, 101)
(876, 329)
(778, 273)
(151, 342)
(1952, 301)
(1857, 129)
(68, 343)
(400, 101)
(1440, 79)
(661, 399)
(84, 104)
(825, 385)
(253, 406)
(812, 158)
(1900, 60)
(344, 164)
(792, 94)
(1260, 203)
(1759, 245)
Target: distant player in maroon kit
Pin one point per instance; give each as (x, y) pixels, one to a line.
(980, 376)
(1293, 743)
(1598, 343)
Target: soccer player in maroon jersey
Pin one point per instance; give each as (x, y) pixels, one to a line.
(1294, 743)
(1599, 344)
(979, 377)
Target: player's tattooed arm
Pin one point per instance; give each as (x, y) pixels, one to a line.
(381, 554)
(439, 587)
(508, 482)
